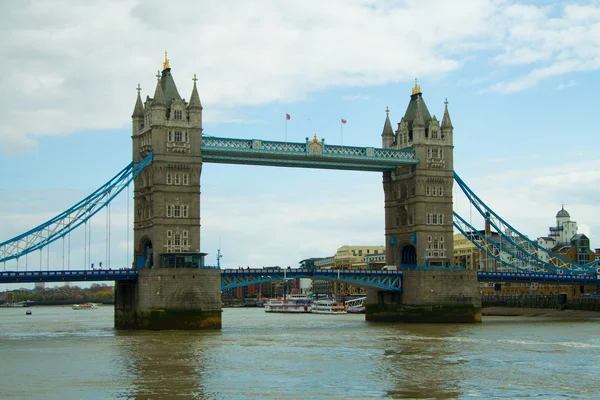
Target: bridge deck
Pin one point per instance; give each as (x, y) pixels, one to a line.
(311, 154)
(387, 280)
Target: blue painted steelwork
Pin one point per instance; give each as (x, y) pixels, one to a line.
(383, 280)
(486, 245)
(311, 154)
(538, 277)
(523, 253)
(70, 219)
(68, 276)
(231, 278)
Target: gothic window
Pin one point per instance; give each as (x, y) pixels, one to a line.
(427, 190)
(177, 179)
(186, 179)
(177, 211)
(177, 239)
(440, 190)
(178, 114)
(177, 137)
(170, 136)
(184, 211)
(169, 211)
(435, 219)
(185, 234)
(434, 134)
(185, 137)
(169, 233)
(169, 179)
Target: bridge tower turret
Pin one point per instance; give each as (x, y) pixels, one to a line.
(418, 225)
(166, 237)
(418, 198)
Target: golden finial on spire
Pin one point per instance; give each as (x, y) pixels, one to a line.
(417, 88)
(166, 63)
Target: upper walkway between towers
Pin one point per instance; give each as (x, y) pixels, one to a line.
(310, 154)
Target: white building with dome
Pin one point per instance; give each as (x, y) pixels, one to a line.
(559, 235)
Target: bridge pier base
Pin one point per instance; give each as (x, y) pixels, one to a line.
(170, 299)
(429, 296)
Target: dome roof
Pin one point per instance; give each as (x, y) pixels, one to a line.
(562, 213)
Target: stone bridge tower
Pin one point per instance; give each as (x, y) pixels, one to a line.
(174, 290)
(418, 226)
(418, 198)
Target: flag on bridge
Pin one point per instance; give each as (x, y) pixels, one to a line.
(343, 121)
(287, 116)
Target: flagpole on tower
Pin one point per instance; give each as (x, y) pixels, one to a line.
(287, 117)
(342, 122)
(342, 130)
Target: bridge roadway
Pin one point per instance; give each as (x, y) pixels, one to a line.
(231, 278)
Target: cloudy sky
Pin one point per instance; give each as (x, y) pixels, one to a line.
(520, 77)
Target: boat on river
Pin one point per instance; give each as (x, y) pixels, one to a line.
(85, 306)
(292, 303)
(328, 306)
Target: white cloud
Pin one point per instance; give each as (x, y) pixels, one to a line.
(73, 66)
(566, 85)
(553, 45)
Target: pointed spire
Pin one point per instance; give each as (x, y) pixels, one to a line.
(418, 121)
(446, 122)
(416, 89)
(138, 110)
(194, 98)
(166, 62)
(159, 96)
(387, 126)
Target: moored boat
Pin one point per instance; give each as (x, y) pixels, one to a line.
(85, 306)
(294, 303)
(328, 306)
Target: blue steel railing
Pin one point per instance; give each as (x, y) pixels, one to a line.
(311, 154)
(231, 278)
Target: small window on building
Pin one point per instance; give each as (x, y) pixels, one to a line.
(178, 114)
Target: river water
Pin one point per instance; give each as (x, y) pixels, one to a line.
(59, 353)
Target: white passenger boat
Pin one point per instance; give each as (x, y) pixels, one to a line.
(85, 306)
(327, 307)
(293, 303)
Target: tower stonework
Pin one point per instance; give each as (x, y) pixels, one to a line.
(174, 290)
(418, 225)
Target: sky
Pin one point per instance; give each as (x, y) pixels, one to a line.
(520, 77)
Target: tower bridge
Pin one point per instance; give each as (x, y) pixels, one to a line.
(416, 163)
